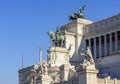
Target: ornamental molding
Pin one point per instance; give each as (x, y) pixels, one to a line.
(104, 21)
(75, 23)
(73, 34)
(69, 33)
(102, 32)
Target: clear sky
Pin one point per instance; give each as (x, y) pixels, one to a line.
(24, 25)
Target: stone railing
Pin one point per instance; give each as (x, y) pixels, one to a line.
(108, 81)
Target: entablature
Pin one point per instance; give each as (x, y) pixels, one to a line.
(101, 32)
(102, 25)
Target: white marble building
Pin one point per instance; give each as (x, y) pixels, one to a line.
(68, 66)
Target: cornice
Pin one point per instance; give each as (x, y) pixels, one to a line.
(84, 21)
(75, 23)
(27, 69)
(69, 25)
(104, 21)
(73, 34)
(107, 30)
(69, 33)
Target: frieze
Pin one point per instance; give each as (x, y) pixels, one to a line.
(28, 69)
(75, 23)
(102, 31)
(69, 33)
(73, 34)
(105, 23)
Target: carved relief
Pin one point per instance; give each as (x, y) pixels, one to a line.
(44, 68)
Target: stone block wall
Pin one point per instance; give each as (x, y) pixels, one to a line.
(110, 65)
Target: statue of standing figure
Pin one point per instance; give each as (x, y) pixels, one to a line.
(44, 68)
(57, 38)
(88, 57)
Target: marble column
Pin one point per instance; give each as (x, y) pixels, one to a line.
(94, 48)
(110, 35)
(90, 44)
(105, 45)
(85, 45)
(116, 41)
(100, 51)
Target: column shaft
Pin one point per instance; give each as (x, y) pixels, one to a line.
(110, 35)
(116, 41)
(100, 52)
(90, 44)
(94, 48)
(105, 45)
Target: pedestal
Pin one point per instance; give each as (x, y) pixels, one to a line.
(44, 80)
(88, 75)
(57, 56)
(65, 72)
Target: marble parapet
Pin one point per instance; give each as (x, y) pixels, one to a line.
(75, 23)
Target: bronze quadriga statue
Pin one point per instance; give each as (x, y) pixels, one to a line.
(77, 15)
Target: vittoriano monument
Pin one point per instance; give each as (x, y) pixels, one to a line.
(79, 14)
(81, 52)
(57, 38)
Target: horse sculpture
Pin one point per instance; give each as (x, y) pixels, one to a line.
(79, 14)
(57, 38)
(52, 37)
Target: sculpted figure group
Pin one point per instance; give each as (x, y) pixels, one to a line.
(88, 58)
(57, 38)
(79, 14)
(44, 68)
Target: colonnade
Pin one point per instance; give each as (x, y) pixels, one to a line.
(104, 45)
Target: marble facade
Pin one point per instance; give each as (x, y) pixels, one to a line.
(66, 65)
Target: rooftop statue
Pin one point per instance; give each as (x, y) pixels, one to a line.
(57, 38)
(79, 14)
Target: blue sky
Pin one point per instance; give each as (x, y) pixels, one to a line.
(24, 25)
